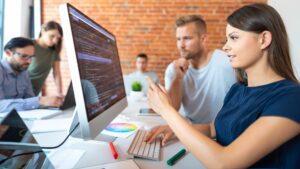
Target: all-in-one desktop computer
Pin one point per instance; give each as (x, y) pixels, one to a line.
(95, 71)
(97, 78)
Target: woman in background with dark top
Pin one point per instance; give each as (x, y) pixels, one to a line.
(259, 123)
(47, 50)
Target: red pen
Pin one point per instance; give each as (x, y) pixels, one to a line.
(113, 150)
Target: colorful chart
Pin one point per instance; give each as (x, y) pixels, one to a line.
(121, 127)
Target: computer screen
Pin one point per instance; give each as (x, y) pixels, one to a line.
(18, 148)
(95, 71)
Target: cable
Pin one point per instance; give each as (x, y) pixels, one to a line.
(33, 152)
(21, 154)
(63, 140)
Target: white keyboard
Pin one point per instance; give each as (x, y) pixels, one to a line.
(142, 149)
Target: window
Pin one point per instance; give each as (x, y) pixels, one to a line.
(1, 27)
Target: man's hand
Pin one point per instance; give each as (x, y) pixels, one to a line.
(53, 101)
(180, 65)
(164, 131)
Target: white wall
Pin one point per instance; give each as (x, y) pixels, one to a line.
(37, 17)
(290, 13)
(16, 21)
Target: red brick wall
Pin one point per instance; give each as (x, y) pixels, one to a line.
(146, 26)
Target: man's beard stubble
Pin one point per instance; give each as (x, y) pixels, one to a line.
(191, 55)
(18, 67)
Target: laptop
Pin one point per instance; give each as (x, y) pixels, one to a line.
(46, 112)
(16, 138)
(69, 100)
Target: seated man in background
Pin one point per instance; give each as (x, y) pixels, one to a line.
(140, 74)
(199, 80)
(15, 85)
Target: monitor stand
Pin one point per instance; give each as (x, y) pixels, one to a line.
(77, 132)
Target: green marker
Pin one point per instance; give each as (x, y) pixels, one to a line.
(173, 159)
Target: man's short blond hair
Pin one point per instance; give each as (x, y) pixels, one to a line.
(197, 19)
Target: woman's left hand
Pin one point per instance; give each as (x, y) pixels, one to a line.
(158, 98)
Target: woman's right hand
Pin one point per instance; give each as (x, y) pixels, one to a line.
(158, 98)
(162, 130)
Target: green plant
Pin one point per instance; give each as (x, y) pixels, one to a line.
(136, 86)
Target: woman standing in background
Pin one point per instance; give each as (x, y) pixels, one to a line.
(47, 50)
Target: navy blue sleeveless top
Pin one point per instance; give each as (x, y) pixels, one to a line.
(244, 105)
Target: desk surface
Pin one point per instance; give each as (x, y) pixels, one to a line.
(98, 153)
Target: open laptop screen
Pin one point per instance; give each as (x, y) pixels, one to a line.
(15, 138)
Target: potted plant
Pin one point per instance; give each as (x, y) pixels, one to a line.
(136, 90)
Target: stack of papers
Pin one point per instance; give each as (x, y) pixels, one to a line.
(65, 158)
(51, 125)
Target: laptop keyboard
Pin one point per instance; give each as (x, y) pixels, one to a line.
(142, 149)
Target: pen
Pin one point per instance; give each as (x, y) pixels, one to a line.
(113, 150)
(173, 159)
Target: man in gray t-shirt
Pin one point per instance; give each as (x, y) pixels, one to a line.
(198, 81)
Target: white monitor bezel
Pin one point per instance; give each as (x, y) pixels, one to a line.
(89, 129)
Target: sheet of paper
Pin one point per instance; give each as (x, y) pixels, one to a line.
(50, 125)
(36, 114)
(121, 128)
(65, 158)
(127, 164)
(118, 134)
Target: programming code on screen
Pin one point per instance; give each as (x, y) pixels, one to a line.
(99, 65)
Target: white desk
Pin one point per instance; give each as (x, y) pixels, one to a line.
(96, 154)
